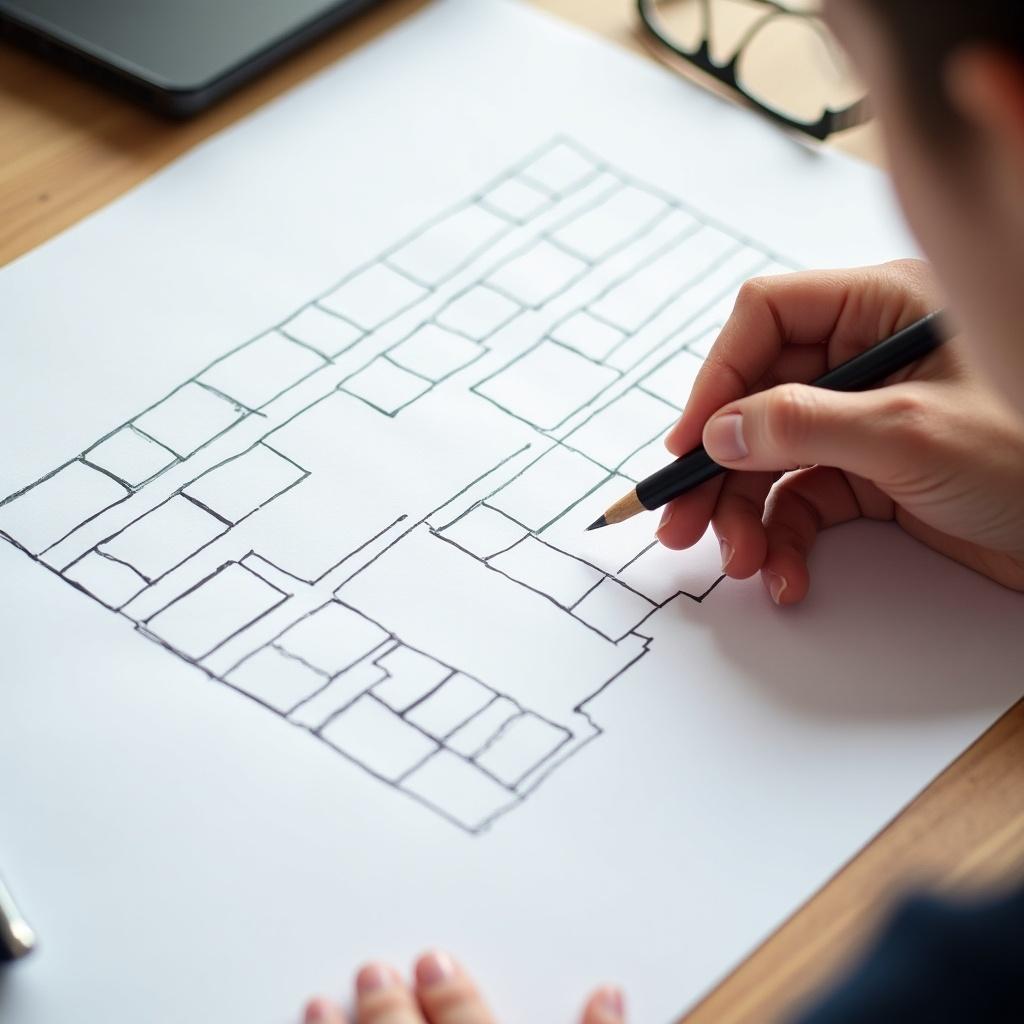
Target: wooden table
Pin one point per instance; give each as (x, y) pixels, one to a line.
(67, 148)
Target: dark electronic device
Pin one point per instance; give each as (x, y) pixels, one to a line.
(175, 56)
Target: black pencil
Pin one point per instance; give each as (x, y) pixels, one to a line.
(857, 374)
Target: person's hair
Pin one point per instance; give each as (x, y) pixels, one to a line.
(927, 32)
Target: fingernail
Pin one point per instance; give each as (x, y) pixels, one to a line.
(374, 978)
(435, 968)
(666, 518)
(776, 586)
(723, 438)
(727, 552)
(611, 1003)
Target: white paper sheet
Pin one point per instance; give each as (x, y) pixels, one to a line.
(333, 672)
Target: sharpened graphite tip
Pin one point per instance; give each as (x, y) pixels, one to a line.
(597, 524)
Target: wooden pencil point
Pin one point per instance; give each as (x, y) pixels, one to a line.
(625, 508)
(597, 524)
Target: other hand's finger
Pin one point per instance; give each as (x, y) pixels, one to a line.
(323, 1011)
(382, 997)
(605, 1006)
(446, 993)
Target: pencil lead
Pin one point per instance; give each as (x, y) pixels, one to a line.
(597, 524)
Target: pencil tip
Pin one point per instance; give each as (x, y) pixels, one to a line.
(597, 524)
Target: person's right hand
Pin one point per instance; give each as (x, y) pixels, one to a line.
(933, 449)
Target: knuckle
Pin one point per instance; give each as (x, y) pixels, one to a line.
(909, 285)
(790, 413)
(753, 292)
(908, 269)
(910, 419)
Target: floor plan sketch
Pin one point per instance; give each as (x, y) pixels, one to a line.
(320, 516)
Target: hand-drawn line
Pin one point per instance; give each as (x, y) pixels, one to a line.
(537, 534)
(145, 439)
(589, 173)
(628, 335)
(326, 730)
(244, 411)
(145, 627)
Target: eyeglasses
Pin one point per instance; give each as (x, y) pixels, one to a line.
(754, 47)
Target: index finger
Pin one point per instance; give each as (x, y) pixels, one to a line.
(842, 312)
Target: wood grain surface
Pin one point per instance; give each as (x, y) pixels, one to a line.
(67, 148)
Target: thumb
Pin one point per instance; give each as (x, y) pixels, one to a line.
(872, 434)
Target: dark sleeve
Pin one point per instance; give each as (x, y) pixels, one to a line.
(936, 962)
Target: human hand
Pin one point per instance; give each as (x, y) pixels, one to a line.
(933, 450)
(441, 993)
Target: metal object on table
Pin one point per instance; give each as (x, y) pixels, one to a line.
(17, 939)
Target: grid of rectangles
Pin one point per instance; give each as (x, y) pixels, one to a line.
(631, 286)
(412, 721)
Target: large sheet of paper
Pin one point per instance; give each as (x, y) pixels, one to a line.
(307, 657)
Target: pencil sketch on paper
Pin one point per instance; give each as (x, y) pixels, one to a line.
(515, 362)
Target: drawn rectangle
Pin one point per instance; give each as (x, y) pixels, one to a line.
(332, 638)
(271, 677)
(328, 334)
(647, 460)
(411, 676)
(262, 370)
(340, 691)
(164, 537)
(112, 583)
(447, 707)
(622, 427)
(478, 312)
(596, 233)
(130, 456)
(470, 739)
(484, 531)
(378, 739)
(651, 288)
(189, 418)
(215, 610)
(448, 244)
(613, 609)
(673, 379)
(547, 487)
(674, 321)
(237, 488)
(516, 199)
(371, 297)
(547, 570)
(547, 384)
(432, 352)
(384, 386)
(535, 276)
(609, 549)
(459, 790)
(590, 337)
(560, 170)
(659, 574)
(49, 510)
(704, 341)
(523, 744)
